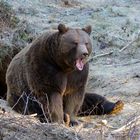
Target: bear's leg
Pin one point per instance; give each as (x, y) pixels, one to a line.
(18, 103)
(95, 104)
(52, 107)
(72, 104)
(23, 103)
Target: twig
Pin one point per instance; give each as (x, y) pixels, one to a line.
(104, 54)
(33, 115)
(26, 105)
(125, 127)
(111, 52)
(101, 55)
(41, 106)
(18, 100)
(130, 43)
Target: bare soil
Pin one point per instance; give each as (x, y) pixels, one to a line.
(114, 66)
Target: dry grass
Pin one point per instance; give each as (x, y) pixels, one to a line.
(7, 16)
(14, 35)
(8, 21)
(17, 126)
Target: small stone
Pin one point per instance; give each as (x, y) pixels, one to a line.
(104, 122)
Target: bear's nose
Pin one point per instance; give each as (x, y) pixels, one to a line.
(85, 54)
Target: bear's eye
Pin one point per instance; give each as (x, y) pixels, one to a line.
(86, 43)
(75, 43)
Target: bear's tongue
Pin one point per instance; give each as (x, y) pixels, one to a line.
(79, 64)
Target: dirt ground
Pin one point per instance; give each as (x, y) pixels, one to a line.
(114, 64)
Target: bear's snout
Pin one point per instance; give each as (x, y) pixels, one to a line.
(83, 51)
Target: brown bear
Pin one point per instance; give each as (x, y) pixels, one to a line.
(49, 76)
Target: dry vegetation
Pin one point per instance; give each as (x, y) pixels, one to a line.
(7, 16)
(16, 34)
(17, 126)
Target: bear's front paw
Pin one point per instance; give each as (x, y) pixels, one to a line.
(67, 119)
(74, 123)
(118, 107)
(70, 122)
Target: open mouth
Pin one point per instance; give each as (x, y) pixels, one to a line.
(80, 63)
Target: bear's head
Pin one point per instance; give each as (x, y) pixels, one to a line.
(75, 46)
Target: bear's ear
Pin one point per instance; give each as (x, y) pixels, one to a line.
(87, 29)
(62, 28)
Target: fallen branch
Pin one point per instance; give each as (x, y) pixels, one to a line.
(130, 43)
(101, 55)
(104, 54)
(128, 125)
(111, 52)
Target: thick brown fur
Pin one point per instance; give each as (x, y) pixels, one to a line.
(43, 77)
(95, 104)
